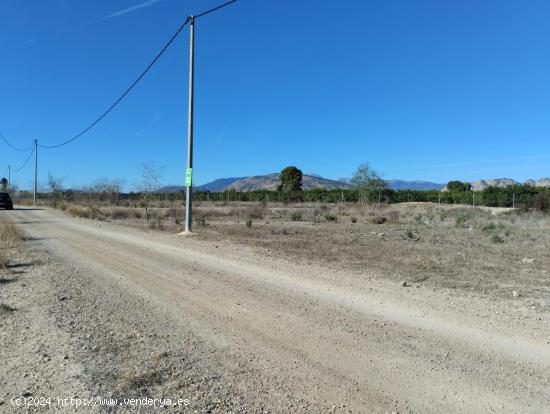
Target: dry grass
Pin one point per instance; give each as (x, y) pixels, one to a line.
(10, 237)
(10, 234)
(134, 380)
(123, 213)
(7, 308)
(454, 247)
(76, 210)
(457, 247)
(4, 261)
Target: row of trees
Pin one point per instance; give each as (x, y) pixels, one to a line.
(367, 187)
(109, 190)
(492, 197)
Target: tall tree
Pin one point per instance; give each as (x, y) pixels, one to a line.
(291, 179)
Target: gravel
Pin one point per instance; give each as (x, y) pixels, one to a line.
(113, 313)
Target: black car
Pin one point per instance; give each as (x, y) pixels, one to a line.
(5, 201)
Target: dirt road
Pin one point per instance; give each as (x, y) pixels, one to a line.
(235, 331)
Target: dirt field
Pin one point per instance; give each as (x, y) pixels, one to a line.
(484, 251)
(302, 309)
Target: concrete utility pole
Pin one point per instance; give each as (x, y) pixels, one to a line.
(189, 170)
(35, 170)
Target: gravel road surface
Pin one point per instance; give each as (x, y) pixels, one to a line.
(126, 313)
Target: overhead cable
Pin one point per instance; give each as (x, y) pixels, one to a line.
(13, 146)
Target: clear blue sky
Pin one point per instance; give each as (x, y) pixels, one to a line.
(431, 90)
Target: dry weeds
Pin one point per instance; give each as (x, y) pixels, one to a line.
(10, 234)
(4, 261)
(10, 237)
(457, 247)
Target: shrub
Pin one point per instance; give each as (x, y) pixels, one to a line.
(256, 212)
(135, 213)
(248, 222)
(462, 219)
(296, 216)
(495, 238)
(353, 219)
(10, 233)
(393, 217)
(172, 213)
(410, 235)
(378, 220)
(489, 227)
(3, 260)
(331, 217)
(316, 214)
(201, 220)
(90, 212)
(119, 213)
(156, 223)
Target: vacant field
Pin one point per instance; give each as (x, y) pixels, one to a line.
(489, 251)
(279, 309)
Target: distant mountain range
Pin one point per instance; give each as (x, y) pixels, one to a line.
(272, 181)
(413, 185)
(312, 181)
(309, 181)
(505, 182)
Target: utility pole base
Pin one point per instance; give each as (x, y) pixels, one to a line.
(186, 233)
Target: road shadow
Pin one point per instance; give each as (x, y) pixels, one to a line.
(28, 238)
(6, 280)
(18, 265)
(28, 209)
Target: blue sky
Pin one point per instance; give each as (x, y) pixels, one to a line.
(427, 90)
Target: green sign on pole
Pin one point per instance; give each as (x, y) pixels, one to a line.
(188, 177)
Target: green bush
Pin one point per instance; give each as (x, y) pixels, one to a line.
(331, 217)
(458, 186)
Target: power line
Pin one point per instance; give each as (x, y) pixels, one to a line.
(13, 146)
(127, 91)
(214, 9)
(25, 163)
